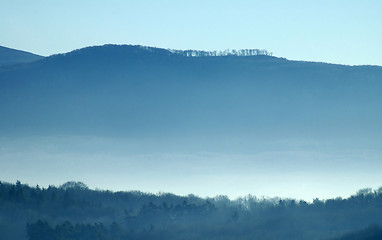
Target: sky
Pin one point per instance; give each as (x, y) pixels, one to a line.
(335, 31)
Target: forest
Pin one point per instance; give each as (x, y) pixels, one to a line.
(73, 211)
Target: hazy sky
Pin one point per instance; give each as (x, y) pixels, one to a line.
(336, 31)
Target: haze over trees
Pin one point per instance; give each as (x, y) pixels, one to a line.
(73, 211)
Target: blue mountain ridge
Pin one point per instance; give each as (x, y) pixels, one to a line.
(125, 90)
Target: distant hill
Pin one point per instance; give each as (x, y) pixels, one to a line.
(10, 56)
(140, 91)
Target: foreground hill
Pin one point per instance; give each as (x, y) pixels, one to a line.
(141, 91)
(10, 56)
(72, 211)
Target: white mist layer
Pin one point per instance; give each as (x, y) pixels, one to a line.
(289, 168)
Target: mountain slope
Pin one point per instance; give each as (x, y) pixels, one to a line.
(10, 56)
(138, 91)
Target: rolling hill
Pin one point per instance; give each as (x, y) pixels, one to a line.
(137, 91)
(10, 56)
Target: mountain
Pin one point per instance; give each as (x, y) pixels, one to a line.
(135, 91)
(9, 56)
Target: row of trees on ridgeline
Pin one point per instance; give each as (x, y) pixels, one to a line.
(228, 52)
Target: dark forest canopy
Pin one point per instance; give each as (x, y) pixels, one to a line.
(73, 211)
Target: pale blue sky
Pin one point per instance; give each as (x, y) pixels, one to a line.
(336, 31)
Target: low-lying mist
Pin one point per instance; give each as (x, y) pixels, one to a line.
(294, 168)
